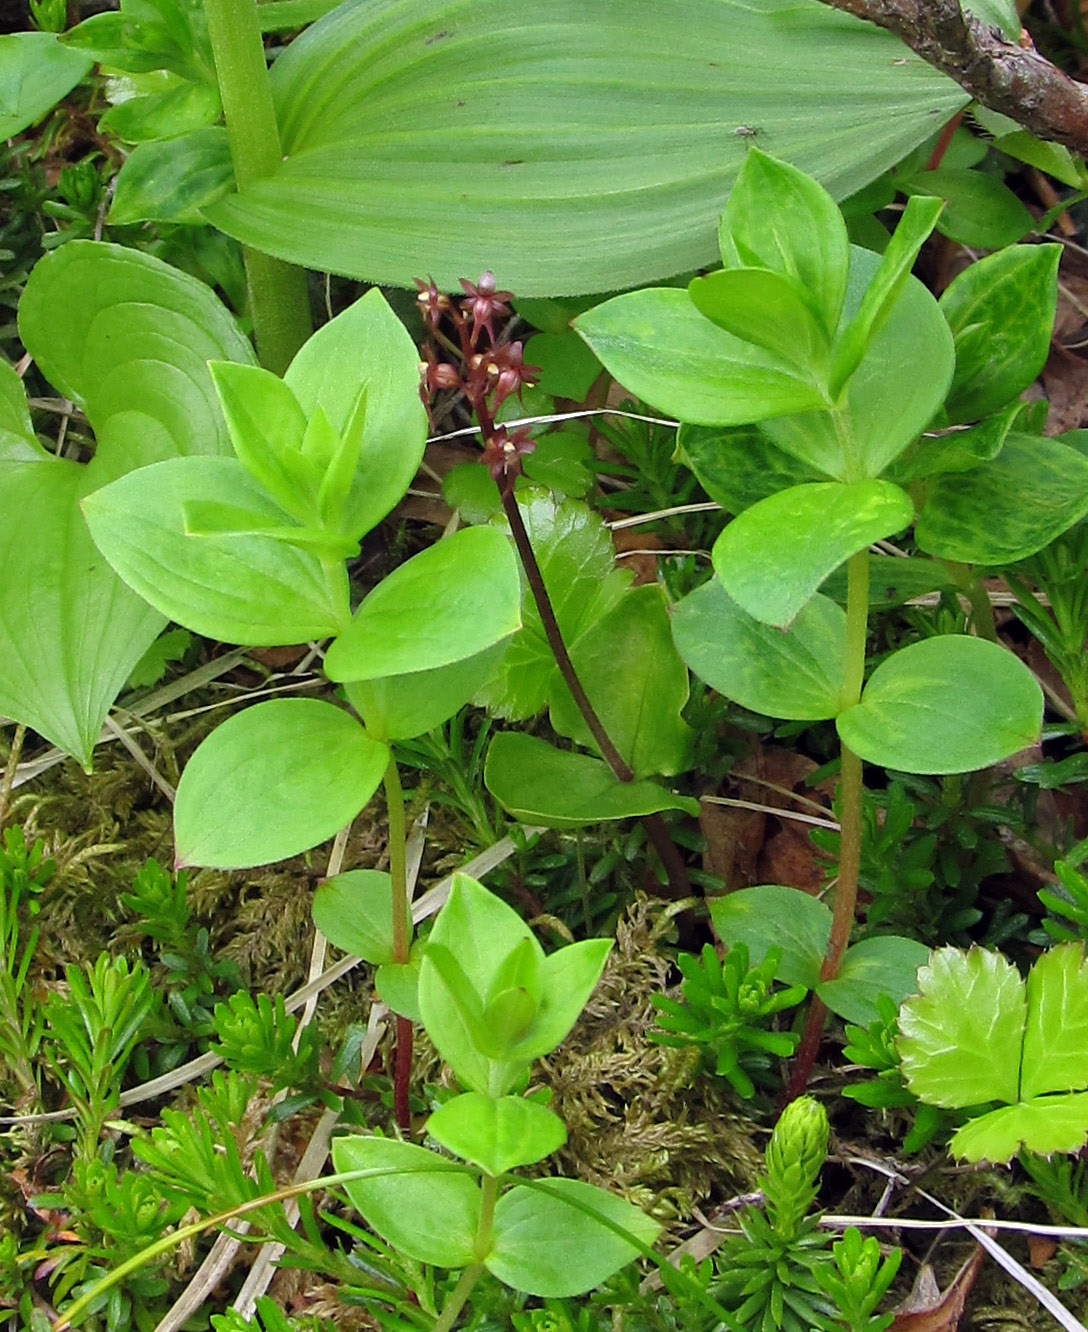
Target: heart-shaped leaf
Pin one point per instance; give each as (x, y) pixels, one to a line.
(945, 704)
(274, 780)
(774, 556)
(128, 339)
(516, 186)
(796, 673)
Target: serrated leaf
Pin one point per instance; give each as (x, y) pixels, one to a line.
(1009, 508)
(796, 674)
(548, 1240)
(450, 602)
(539, 784)
(497, 1133)
(1045, 1126)
(639, 706)
(423, 1204)
(273, 780)
(577, 562)
(774, 556)
(1056, 1033)
(960, 1037)
(356, 98)
(945, 704)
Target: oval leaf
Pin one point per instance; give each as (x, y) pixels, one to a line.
(796, 674)
(773, 558)
(451, 601)
(773, 916)
(399, 707)
(497, 1133)
(886, 964)
(659, 347)
(1033, 491)
(946, 704)
(660, 121)
(36, 71)
(354, 911)
(539, 784)
(272, 781)
(563, 1237)
(427, 1207)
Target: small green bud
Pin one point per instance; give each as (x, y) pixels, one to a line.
(795, 1155)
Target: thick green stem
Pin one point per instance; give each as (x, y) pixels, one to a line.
(458, 1296)
(850, 792)
(279, 302)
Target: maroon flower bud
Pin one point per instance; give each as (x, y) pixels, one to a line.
(508, 372)
(503, 454)
(433, 304)
(435, 375)
(483, 304)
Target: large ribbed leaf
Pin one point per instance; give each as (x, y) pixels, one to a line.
(569, 147)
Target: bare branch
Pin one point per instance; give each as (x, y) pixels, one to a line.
(1004, 76)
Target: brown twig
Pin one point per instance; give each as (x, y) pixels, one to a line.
(1006, 76)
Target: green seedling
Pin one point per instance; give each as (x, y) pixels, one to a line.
(725, 1012)
(806, 336)
(492, 1002)
(978, 1036)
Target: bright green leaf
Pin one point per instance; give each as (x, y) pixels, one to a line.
(165, 115)
(640, 706)
(770, 310)
(774, 556)
(250, 589)
(945, 704)
(796, 674)
(659, 347)
(397, 984)
(778, 218)
(563, 1237)
(960, 1037)
(1056, 1033)
(354, 911)
(1047, 1125)
(913, 229)
(36, 71)
(450, 602)
(272, 781)
(773, 916)
(426, 1206)
(497, 1133)
(399, 707)
(569, 977)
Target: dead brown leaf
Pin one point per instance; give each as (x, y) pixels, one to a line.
(929, 1309)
